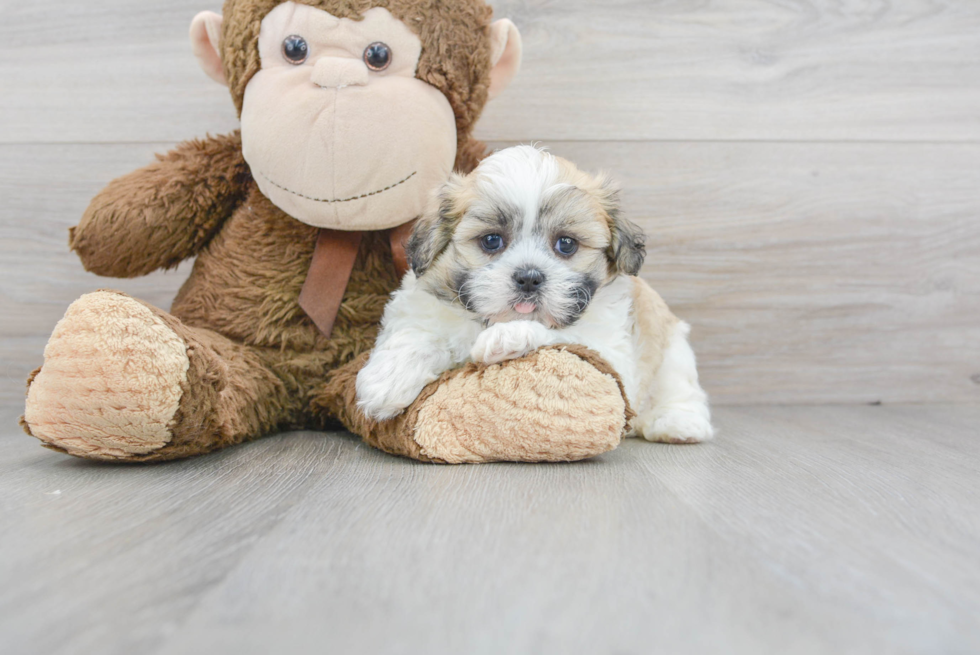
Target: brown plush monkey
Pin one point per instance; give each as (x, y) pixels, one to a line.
(352, 111)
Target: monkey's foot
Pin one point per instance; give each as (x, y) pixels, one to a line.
(558, 404)
(111, 383)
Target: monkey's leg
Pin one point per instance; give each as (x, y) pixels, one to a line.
(124, 381)
(557, 404)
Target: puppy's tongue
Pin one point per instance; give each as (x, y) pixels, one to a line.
(525, 307)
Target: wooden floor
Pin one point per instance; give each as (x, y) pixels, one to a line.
(800, 530)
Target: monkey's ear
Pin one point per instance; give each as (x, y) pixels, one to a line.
(434, 230)
(505, 55)
(205, 38)
(628, 248)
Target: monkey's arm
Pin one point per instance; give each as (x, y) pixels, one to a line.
(164, 213)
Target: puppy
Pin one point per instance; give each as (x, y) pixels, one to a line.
(527, 251)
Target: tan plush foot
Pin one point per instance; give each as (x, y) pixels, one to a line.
(555, 405)
(111, 381)
(558, 404)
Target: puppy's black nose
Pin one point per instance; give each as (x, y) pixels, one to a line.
(528, 280)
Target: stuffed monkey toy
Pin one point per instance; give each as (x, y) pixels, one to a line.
(352, 112)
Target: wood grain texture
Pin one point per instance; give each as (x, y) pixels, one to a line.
(45, 189)
(100, 559)
(743, 70)
(810, 273)
(813, 272)
(802, 529)
(111, 70)
(118, 70)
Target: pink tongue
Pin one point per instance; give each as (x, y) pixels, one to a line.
(525, 307)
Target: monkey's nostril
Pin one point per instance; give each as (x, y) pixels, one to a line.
(528, 280)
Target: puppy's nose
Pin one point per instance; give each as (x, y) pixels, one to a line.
(529, 279)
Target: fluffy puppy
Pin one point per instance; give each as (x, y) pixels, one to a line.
(528, 251)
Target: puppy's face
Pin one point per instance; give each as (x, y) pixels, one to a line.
(525, 236)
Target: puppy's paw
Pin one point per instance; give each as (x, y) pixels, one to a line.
(385, 387)
(680, 424)
(512, 340)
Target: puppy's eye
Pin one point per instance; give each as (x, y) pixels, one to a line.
(295, 49)
(492, 242)
(566, 246)
(377, 56)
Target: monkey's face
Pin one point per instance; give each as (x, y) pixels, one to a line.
(338, 131)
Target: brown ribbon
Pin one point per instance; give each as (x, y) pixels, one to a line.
(331, 268)
(399, 240)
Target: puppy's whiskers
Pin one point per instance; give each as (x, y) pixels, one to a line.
(464, 298)
(583, 297)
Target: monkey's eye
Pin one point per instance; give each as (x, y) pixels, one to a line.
(492, 243)
(295, 49)
(566, 246)
(377, 56)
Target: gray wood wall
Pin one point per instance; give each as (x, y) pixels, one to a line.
(808, 171)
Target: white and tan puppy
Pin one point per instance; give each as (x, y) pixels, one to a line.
(528, 251)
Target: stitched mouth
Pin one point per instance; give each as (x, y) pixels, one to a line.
(336, 200)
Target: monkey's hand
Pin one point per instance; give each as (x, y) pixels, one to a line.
(164, 213)
(512, 340)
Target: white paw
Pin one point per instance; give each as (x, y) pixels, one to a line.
(388, 384)
(511, 340)
(677, 425)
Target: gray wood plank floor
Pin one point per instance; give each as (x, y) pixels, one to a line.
(801, 529)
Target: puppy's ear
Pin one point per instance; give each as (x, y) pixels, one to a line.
(628, 249)
(434, 230)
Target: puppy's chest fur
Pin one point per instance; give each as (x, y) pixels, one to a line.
(607, 326)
